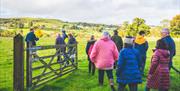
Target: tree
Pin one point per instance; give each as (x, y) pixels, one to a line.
(175, 25)
(137, 25)
(165, 23)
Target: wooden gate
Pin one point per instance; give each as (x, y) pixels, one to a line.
(41, 68)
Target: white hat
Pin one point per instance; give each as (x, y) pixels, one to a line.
(129, 40)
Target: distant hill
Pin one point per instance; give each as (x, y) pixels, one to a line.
(11, 23)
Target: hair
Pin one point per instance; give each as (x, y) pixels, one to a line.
(141, 32)
(70, 35)
(115, 32)
(31, 29)
(92, 37)
(161, 45)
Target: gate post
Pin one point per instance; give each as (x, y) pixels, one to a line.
(28, 66)
(18, 71)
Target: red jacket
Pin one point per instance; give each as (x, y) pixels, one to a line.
(158, 76)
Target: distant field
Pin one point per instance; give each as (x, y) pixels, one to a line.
(79, 80)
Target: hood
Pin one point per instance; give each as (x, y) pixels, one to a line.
(140, 39)
(164, 53)
(105, 38)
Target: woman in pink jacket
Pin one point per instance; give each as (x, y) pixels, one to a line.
(104, 54)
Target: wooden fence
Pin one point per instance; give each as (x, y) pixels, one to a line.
(41, 69)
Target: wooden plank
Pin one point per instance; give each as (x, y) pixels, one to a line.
(18, 71)
(51, 79)
(28, 67)
(38, 76)
(40, 67)
(51, 47)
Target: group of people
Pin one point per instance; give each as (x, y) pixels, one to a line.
(32, 37)
(131, 59)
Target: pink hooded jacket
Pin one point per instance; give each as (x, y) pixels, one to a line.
(104, 53)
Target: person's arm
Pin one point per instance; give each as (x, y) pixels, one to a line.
(120, 64)
(173, 45)
(115, 53)
(94, 52)
(121, 43)
(139, 60)
(87, 48)
(146, 45)
(154, 64)
(35, 38)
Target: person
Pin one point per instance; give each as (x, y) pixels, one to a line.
(142, 45)
(170, 43)
(89, 46)
(118, 41)
(103, 55)
(64, 35)
(31, 37)
(158, 77)
(59, 41)
(128, 66)
(71, 40)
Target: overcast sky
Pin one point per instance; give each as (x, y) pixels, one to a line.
(93, 11)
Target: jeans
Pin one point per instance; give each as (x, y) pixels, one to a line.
(132, 87)
(101, 75)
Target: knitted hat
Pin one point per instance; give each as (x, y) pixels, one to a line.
(106, 34)
(129, 40)
(165, 30)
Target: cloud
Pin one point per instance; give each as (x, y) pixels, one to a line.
(95, 11)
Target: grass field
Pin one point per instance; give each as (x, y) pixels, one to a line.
(78, 80)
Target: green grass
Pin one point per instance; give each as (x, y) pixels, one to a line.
(78, 80)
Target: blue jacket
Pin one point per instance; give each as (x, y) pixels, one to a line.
(31, 37)
(128, 70)
(59, 40)
(171, 45)
(72, 40)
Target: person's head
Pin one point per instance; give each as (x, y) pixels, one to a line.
(106, 34)
(63, 31)
(58, 35)
(128, 41)
(164, 32)
(70, 35)
(92, 37)
(115, 32)
(31, 29)
(142, 33)
(161, 45)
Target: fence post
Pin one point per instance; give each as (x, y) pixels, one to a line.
(18, 71)
(76, 55)
(28, 67)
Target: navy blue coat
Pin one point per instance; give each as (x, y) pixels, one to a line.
(128, 70)
(31, 37)
(171, 45)
(59, 40)
(142, 48)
